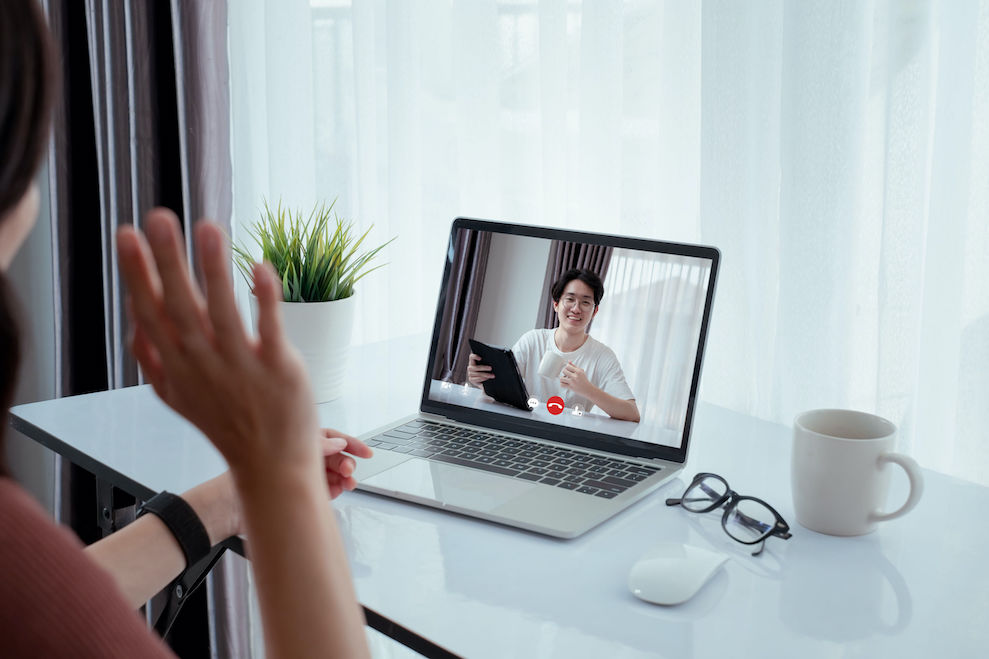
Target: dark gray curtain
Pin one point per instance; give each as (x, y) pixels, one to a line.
(463, 300)
(203, 113)
(143, 121)
(562, 257)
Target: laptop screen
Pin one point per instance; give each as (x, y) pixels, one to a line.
(606, 334)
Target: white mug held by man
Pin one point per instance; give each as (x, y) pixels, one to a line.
(840, 473)
(551, 365)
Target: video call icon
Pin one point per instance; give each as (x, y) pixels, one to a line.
(555, 405)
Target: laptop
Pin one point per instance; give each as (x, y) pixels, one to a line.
(607, 333)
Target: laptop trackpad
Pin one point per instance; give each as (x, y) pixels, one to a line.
(457, 486)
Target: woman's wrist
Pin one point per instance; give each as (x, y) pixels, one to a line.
(279, 496)
(219, 502)
(218, 507)
(279, 481)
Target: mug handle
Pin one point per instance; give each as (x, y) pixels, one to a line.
(904, 603)
(916, 485)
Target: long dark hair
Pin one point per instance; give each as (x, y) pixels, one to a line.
(10, 357)
(27, 89)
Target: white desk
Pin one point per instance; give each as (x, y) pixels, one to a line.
(915, 588)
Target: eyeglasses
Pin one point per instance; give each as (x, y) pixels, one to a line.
(747, 520)
(584, 304)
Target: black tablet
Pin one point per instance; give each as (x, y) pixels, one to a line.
(507, 385)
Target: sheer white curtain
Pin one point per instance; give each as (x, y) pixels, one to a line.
(836, 152)
(650, 316)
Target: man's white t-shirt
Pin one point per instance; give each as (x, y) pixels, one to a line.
(598, 361)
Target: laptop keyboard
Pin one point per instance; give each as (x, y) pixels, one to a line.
(585, 473)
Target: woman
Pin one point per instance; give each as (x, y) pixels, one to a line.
(591, 374)
(250, 397)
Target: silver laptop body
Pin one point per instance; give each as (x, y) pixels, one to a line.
(554, 473)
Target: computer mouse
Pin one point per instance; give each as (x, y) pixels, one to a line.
(671, 573)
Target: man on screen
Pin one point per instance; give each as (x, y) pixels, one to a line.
(590, 373)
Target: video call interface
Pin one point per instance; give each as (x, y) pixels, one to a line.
(604, 338)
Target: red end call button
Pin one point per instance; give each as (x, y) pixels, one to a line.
(555, 405)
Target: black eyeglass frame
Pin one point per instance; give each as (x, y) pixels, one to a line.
(730, 500)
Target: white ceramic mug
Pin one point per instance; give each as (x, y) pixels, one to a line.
(552, 364)
(839, 475)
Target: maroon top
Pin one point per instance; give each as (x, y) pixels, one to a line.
(55, 601)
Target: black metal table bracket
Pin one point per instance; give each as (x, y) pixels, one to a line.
(183, 586)
(116, 509)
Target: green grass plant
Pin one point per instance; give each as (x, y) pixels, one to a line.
(318, 259)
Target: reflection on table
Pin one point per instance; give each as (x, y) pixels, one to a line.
(467, 396)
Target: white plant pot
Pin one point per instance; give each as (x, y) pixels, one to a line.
(321, 331)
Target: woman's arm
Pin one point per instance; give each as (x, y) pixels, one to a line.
(251, 398)
(144, 557)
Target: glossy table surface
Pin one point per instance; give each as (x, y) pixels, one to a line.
(917, 587)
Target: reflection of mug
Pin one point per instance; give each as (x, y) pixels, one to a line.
(551, 365)
(839, 476)
(840, 590)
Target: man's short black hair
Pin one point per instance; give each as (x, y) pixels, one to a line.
(587, 276)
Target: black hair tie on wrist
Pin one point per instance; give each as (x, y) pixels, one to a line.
(183, 522)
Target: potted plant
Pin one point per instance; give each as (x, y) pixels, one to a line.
(319, 261)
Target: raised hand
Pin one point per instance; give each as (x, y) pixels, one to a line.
(249, 396)
(252, 399)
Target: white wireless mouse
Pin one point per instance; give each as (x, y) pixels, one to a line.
(671, 573)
